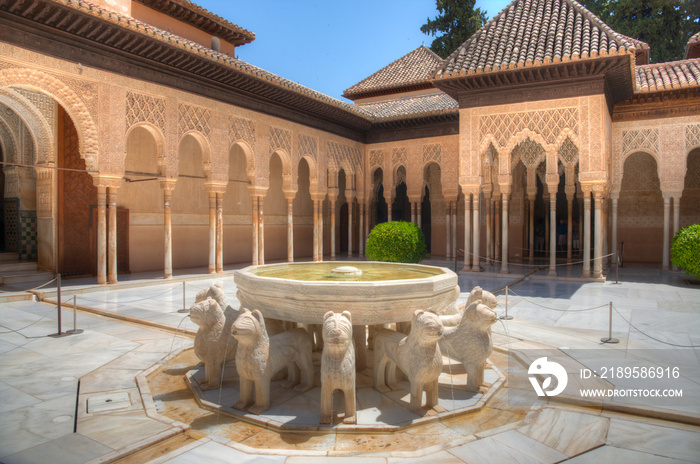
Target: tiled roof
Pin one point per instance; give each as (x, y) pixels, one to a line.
(692, 49)
(411, 69)
(667, 76)
(195, 15)
(531, 33)
(423, 105)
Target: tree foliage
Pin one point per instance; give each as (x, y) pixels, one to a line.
(685, 250)
(666, 25)
(458, 20)
(396, 242)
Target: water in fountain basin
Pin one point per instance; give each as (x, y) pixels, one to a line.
(370, 272)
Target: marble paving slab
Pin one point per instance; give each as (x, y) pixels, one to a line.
(611, 454)
(507, 447)
(568, 432)
(654, 439)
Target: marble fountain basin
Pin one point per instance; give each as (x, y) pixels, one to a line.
(383, 293)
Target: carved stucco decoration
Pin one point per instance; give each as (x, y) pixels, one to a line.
(548, 123)
(145, 108)
(39, 128)
(308, 146)
(529, 152)
(193, 118)
(432, 153)
(376, 159)
(692, 137)
(241, 129)
(399, 157)
(70, 97)
(9, 128)
(344, 156)
(45, 104)
(640, 139)
(280, 138)
(568, 153)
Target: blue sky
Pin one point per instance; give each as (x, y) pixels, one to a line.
(330, 45)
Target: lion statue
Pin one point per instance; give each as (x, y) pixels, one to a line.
(213, 344)
(260, 356)
(470, 343)
(416, 354)
(337, 365)
(477, 294)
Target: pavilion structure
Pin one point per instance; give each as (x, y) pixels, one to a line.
(132, 139)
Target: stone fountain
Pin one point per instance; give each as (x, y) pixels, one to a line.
(341, 305)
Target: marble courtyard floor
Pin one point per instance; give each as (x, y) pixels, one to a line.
(124, 377)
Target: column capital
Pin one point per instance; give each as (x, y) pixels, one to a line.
(290, 194)
(107, 181)
(256, 191)
(215, 187)
(168, 184)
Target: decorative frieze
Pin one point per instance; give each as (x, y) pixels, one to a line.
(344, 155)
(548, 123)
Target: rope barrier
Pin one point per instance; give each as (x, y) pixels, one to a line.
(29, 290)
(484, 258)
(130, 301)
(557, 309)
(653, 338)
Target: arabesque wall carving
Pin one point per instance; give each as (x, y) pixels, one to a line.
(241, 129)
(308, 146)
(548, 123)
(376, 158)
(432, 152)
(636, 139)
(193, 118)
(280, 138)
(692, 137)
(145, 108)
(398, 157)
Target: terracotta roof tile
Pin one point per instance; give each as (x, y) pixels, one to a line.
(411, 69)
(667, 76)
(423, 105)
(532, 33)
(692, 48)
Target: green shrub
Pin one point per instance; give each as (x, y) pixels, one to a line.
(685, 250)
(396, 242)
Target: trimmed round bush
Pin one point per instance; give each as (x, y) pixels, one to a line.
(396, 242)
(685, 250)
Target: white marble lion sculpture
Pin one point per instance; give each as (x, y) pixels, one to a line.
(213, 344)
(417, 355)
(260, 356)
(337, 365)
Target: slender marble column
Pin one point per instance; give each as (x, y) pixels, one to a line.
(667, 225)
(219, 232)
(676, 217)
(419, 218)
(598, 248)
(580, 227)
(350, 208)
(101, 235)
(256, 220)
(497, 232)
(112, 239)
(261, 231)
(320, 230)
(212, 232)
(332, 212)
(487, 202)
(546, 225)
(531, 229)
(477, 226)
(413, 213)
(388, 212)
(290, 230)
(454, 231)
(504, 231)
(614, 229)
(552, 234)
(569, 227)
(586, 235)
(362, 228)
(168, 233)
(467, 231)
(315, 229)
(448, 230)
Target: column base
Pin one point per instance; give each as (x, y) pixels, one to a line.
(476, 269)
(552, 274)
(585, 274)
(504, 271)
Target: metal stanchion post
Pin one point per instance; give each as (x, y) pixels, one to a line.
(610, 339)
(184, 304)
(506, 317)
(58, 308)
(74, 331)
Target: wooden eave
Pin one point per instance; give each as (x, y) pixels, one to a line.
(616, 69)
(68, 33)
(661, 104)
(201, 19)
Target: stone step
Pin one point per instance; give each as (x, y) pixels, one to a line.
(9, 256)
(18, 278)
(19, 266)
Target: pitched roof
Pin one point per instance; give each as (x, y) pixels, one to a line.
(411, 70)
(531, 33)
(196, 16)
(667, 76)
(692, 49)
(423, 105)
